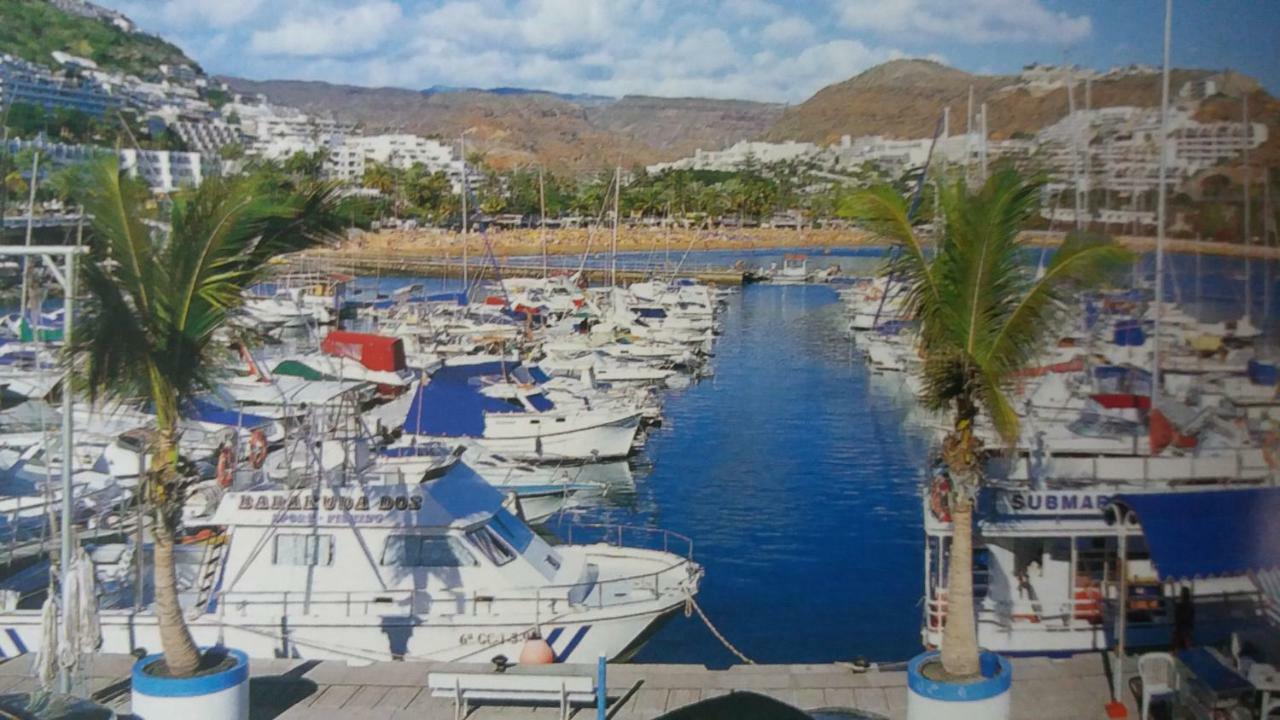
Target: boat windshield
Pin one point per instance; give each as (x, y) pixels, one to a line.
(1102, 426)
(426, 551)
(491, 545)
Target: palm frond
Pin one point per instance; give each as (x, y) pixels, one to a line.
(883, 212)
(156, 305)
(1079, 261)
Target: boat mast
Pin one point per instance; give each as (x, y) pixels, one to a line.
(613, 248)
(542, 221)
(1086, 142)
(983, 146)
(1248, 239)
(968, 137)
(26, 261)
(1161, 199)
(462, 145)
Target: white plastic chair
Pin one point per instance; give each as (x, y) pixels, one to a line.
(1159, 673)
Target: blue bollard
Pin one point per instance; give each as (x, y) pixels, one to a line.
(602, 702)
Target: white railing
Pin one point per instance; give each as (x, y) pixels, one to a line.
(1246, 465)
(618, 535)
(548, 601)
(1079, 613)
(674, 579)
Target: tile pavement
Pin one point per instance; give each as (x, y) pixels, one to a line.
(1044, 689)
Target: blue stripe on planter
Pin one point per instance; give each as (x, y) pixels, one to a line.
(189, 687)
(997, 678)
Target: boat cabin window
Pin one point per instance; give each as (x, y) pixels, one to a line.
(296, 549)
(1102, 426)
(509, 528)
(492, 546)
(426, 551)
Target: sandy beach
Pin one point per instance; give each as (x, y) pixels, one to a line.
(433, 243)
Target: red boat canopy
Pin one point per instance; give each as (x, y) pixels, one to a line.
(376, 352)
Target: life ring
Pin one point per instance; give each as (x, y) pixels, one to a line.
(257, 448)
(939, 498)
(937, 610)
(1088, 602)
(226, 466)
(1271, 449)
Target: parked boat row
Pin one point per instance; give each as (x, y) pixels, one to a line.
(373, 494)
(1046, 563)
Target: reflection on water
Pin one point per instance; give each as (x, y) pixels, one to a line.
(797, 484)
(795, 470)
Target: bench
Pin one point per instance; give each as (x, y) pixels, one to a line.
(556, 684)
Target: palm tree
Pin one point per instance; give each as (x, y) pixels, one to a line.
(158, 294)
(983, 316)
(379, 177)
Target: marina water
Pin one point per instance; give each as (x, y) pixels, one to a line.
(796, 471)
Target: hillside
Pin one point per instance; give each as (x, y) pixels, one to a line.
(516, 127)
(34, 29)
(904, 99)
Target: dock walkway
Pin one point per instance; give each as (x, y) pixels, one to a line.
(1074, 688)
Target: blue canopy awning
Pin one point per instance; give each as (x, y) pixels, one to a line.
(1208, 533)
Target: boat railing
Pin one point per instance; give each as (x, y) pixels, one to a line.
(630, 536)
(548, 600)
(1088, 607)
(1240, 465)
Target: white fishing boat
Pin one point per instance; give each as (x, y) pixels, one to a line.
(433, 571)
(794, 270)
(500, 406)
(1046, 567)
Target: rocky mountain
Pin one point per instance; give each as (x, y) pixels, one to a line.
(904, 98)
(898, 99)
(514, 126)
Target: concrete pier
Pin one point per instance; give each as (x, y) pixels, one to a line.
(1075, 688)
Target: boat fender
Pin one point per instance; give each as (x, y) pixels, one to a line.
(257, 448)
(536, 651)
(940, 498)
(226, 466)
(1271, 449)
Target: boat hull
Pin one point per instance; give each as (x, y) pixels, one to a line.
(616, 634)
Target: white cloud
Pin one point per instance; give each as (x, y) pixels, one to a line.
(190, 13)
(787, 31)
(749, 49)
(330, 33)
(751, 9)
(970, 21)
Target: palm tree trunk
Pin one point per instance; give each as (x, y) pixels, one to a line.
(180, 652)
(960, 636)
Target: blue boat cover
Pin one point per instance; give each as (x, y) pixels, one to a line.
(451, 403)
(1263, 373)
(1209, 534)
(454, 297)
(202, 410)
(646, 312)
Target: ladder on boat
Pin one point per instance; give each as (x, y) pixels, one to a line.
(210, 567)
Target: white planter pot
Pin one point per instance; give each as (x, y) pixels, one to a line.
(983, 699)
(223, 695)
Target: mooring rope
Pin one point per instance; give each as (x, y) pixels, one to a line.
(691, 606)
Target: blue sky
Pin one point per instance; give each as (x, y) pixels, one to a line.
(776, 50)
